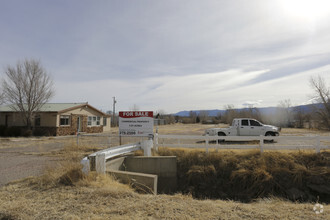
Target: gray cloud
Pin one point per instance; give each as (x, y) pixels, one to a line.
(155, 41)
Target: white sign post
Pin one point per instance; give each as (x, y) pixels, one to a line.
(136, 123)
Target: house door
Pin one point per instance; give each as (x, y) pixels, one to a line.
(6, 120)
(79, 124)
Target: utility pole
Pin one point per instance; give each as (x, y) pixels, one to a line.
(114, 123)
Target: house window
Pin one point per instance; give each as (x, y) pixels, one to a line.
(104, 121)
(93, 121)
(37, 120)
(64, 120)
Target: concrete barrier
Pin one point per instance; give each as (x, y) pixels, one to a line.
(164, 167)
(146, 183)
(115, 164)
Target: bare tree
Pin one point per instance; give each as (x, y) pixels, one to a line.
(322, 95)
(300, 116)
(28, 87)
(203, 116)
(284, 112)
(193, 116)
(229, 114)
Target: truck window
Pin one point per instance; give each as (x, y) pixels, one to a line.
(245, 122)
(254, 123)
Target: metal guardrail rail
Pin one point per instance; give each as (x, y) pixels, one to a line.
(97, 161)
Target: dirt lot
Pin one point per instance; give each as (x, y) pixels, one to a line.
(24, 157)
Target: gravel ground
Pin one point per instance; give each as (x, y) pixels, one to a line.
(24, 157)
(16, 166)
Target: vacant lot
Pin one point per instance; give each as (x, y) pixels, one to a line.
(61, 191)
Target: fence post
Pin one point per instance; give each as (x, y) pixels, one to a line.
(146, 146)
(261, 144)
(77, 139)
(156, 141)
(318, 144)
(206, 143)
(217, 145)
(109, 140)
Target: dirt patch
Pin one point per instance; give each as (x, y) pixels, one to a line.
(17, 166)
(24, 157)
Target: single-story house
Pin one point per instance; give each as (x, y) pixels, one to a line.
(56, 119)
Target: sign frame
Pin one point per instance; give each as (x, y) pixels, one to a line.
(136, 124)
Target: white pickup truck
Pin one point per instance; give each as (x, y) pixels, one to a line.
(245, 127)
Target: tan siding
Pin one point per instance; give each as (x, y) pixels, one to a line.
(57, 120)
(48, 119)
(14, 119)
(108, 126)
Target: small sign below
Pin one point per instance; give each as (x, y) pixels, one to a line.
(136, 123)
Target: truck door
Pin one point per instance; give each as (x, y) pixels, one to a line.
(244, 128)
(235, 128)
(255, 128)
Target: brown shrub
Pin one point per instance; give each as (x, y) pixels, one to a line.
(248, 175)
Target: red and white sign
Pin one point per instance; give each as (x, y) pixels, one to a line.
(136, 123)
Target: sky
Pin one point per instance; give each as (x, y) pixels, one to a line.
(169, 56)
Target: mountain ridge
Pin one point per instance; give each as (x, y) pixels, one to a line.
(263, 110)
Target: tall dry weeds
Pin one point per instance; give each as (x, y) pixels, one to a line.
(68, 172)
(248, 175)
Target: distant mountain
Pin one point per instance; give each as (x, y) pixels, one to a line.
(211, 113)
(265, 110)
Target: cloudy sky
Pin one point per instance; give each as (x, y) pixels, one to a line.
(171, 55)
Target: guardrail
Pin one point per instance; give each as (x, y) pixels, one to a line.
(204, 142)
(97, 161)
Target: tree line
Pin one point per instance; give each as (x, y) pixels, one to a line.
(285, 115)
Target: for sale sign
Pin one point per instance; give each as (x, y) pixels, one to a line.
(136, 123)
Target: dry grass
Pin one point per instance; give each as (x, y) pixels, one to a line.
(100, 197)
(65, 192)
(248, 175)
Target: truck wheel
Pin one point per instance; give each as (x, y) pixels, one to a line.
(221, 140)
(270, 134)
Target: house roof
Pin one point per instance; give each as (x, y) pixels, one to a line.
(54, 107)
